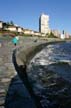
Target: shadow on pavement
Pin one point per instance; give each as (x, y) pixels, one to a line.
(20, 93)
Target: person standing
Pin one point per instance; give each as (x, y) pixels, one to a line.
(15, 40)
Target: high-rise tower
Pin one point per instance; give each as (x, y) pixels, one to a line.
(44, 24)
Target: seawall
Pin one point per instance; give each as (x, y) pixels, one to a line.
(17, 82)
(20, 58)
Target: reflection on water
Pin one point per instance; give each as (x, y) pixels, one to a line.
(50, 75)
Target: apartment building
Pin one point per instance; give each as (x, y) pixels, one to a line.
(28, 32)
(19, 29)
(12, 28)
(67, 35)
(1, 24)
(44, 24)
(37, 33)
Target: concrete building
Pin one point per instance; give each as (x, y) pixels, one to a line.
(12, 28)
(28, 32)
(44, 24)
(37, 33)
(3, 25)
(19, 29)
(67, 36)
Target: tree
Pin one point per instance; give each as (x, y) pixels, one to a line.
(7, 23)
(11, 23)
(51, 35)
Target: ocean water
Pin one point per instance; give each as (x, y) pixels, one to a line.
(49, 73)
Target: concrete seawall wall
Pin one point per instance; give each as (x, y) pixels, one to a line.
(21, 58)
(13, 70)
(25, 55)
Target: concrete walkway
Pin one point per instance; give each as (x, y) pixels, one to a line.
(13, 93)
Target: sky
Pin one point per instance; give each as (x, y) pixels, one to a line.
(26, 13)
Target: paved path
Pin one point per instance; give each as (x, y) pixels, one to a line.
(13, 93)
(7, 70)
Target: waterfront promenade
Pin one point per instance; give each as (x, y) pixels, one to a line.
(13, 93)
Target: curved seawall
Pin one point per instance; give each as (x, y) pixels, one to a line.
(21, 57)
(14, 80)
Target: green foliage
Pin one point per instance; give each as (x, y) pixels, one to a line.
(10, 23)
(7, 23)
(51, 35)
(16, 33)
(26, 35)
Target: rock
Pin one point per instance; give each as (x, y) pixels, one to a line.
(5, 80)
